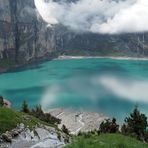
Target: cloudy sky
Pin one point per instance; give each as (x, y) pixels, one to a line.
(98, 16)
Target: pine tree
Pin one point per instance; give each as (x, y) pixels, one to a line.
(136, 124)
(109, 126)
(25, 107)
(1, 101)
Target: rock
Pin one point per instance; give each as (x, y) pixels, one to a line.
(1, 140)
(45, 134)
(23, 34)
(22, 126)
(39, 137)
(14, 133)
(49, 143)
(7, 137)
(50, 129)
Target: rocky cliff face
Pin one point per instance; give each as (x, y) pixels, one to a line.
(22, 33)
(24, 36)
(39, 137)
(71, 43)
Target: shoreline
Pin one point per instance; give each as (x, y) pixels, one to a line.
(102, 57)
(39, 60)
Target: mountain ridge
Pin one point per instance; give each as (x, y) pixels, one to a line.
(25, 37)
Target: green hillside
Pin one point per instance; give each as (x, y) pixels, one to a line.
(9, 119)
(106, 141)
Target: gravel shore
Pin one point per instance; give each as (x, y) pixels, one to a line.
(78, 121)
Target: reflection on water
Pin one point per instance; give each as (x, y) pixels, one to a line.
(104, 85)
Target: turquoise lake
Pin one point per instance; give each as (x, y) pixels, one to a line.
(104, 85)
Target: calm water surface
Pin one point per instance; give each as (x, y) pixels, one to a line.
(112, 87)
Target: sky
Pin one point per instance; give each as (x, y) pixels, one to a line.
(97, 16)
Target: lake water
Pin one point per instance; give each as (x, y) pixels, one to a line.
(109, 86)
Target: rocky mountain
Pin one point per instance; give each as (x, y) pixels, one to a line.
(24, 36)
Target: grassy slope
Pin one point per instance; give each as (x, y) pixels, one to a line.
(107, 141)
(9, 119)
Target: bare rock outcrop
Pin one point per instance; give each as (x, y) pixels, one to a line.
(40, 137)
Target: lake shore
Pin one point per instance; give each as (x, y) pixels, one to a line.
(77, 121)
(45, 59)
(102, 57)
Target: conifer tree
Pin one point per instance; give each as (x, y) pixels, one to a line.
(136, 124)
(1, 101)
(25, 107)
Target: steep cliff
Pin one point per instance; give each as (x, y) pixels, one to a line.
(73, 43)
(24, 36)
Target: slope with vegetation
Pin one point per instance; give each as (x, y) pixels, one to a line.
(10, 118)
(133, 134)
(30, 128)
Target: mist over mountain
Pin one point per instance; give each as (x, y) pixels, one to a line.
(27, 34)
(97, 16)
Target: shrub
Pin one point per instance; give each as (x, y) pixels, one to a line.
(47, 117)
(59, 136)
(65, 130)
(136, 124)
(25, 107)
(80, 133)
(1, 101)
(109, 126)
(38, 113)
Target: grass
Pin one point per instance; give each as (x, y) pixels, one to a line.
(106, 141)
(9, 119)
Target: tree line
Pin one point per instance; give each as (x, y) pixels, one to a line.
(134, 125)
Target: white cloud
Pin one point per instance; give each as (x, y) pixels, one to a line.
(134, 90)
(98, 16)
(131, 19)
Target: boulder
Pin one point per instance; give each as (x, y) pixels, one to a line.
(14, 133)
(20, 128)
(7, 137)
